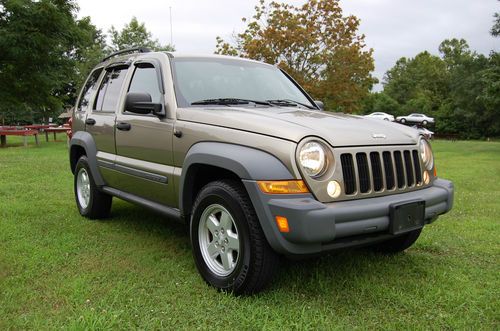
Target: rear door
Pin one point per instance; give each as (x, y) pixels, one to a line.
(100, 123)
(144, 142)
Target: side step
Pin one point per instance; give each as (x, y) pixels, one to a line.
(171, 213)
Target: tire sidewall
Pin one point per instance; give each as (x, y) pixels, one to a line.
(83, 163)
(208, 196)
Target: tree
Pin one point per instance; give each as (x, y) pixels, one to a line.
(41, 43)
(495, 29)
(135, 34)
(418, 84)
(460, 88)
(315, 44)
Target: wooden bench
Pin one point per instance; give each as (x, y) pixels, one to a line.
(24, 133)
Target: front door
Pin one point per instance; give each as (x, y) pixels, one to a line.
(144, 142)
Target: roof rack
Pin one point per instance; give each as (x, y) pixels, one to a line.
(128, 50)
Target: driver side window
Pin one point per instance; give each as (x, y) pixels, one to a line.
(145, 80)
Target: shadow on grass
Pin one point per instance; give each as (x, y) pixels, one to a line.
(345, 271)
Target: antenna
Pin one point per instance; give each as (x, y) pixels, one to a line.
(171, 33)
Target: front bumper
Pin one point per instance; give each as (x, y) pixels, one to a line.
(317, 227)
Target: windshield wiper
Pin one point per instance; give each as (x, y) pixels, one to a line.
(230, 101)
(288, 102)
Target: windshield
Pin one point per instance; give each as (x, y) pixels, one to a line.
(201, 79)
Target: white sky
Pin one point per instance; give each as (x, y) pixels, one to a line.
(393, 28)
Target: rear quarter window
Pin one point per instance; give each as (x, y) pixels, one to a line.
(87, 91)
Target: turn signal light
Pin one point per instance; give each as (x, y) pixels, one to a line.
(283, 187)
(282, 223)
(435, 171)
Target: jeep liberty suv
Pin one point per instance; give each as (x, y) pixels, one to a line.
(241, 153)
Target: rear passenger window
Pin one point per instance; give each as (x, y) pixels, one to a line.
(109, 92)
(88, 89)
(145, 80)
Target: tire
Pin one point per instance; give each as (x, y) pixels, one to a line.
(240, 259)
(398, 244)
(91, 202)
(386, 119)
(403, 121)
(424, 123)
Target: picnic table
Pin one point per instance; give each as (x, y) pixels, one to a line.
(4, 132)
(39, 126)
(55, 130)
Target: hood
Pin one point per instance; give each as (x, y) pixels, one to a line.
(294, 124)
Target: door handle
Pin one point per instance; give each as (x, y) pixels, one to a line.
(90, 121)
(123, 126)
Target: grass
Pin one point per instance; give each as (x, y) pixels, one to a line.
(135, 270)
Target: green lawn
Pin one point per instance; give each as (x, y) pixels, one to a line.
(135, 270)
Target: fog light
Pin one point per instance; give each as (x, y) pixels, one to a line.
(427, 178)
(282, 223)
(333, 189)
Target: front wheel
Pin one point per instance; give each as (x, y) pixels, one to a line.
(424, 123)
(403, 121)
(398, 244)
(229, 246)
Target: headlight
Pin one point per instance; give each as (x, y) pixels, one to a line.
(426, 154)
(312, 158)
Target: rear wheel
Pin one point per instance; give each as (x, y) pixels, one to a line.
(229, 246)
(91, 202)
(399, 243)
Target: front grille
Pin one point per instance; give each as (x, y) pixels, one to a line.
(376, 171)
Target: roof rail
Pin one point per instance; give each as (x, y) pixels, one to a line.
(128, 50)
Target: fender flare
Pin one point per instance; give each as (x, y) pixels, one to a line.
(246, 162)
(85, 140)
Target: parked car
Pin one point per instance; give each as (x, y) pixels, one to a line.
(381, 116)
(416, 119)
(246, 158)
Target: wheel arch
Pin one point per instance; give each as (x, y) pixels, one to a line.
(208, 161)
(80, 144)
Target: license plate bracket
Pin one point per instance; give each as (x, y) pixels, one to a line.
(406, 216)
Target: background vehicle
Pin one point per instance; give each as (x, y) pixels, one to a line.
(238, 151)
(415, 118)
(381, 116)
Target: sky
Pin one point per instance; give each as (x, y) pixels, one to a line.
(393, 28)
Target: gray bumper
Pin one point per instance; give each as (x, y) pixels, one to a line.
(317, 227)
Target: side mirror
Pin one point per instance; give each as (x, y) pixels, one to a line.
(140, 103)
(320, 104)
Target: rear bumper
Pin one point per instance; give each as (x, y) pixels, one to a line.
(317, 227)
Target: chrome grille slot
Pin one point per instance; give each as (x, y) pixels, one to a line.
(418, 170)
(363, 172)
(378, 181)
(348, 173)
(389, 171)
(400, 172)
(410, 179)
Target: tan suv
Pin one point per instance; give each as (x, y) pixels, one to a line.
(240, 152)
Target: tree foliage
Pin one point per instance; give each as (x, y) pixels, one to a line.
(46, 54)
(315, 44)
(460, 88)
(135, 34)
(41, 45)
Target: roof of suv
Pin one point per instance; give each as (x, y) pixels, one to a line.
(124, 57)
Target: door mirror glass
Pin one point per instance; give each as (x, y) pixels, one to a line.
(140, 103)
